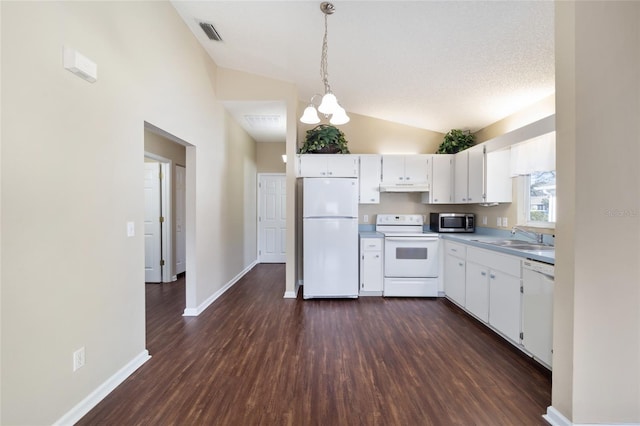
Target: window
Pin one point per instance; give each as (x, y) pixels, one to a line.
(534, 161)
(540, 197)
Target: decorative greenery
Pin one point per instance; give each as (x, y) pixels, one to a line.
(455, 141)
(325, 138)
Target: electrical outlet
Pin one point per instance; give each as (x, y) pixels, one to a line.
(499, 221)
(484, 220)
(365, 218)
(504, 222)
(78, 359)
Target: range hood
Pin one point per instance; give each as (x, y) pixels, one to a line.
(405, 187)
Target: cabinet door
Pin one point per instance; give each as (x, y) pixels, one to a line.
(441, 179)
(460, 176)
(477, 291)
(370, 170)
(537, 315)
(372, 275)
(454, 279)
(475, 176)
(416, 168)
(498, 183)
(313, 165)
(342, 165)
(393, 168)
(504, 304)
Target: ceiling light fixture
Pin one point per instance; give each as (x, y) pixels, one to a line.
(329, 105)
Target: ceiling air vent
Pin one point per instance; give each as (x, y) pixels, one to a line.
(210, 31)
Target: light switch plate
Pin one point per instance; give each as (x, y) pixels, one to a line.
(484, 220)
(365, 218)
(499, 221)
(504, 222)
(131, 229)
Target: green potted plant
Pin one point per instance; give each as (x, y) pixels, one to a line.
(455, 141)
(324, 139)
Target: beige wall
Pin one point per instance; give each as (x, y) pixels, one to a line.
(270, 157)
(367, 135)
(597, 300)
(74, 151)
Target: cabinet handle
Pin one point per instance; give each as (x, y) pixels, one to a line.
(492, 276)
(330, 173)
(484, 274)
(400, 178)
(377, 256)
(454, 250)
(373, 199)
(460, 264)
(408, 178)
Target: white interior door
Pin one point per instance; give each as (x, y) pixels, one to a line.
(180, 220)
(272, 220)
(152, 213)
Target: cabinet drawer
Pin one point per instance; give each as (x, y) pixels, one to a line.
(496, 261)
(455, 249)
(371, 244)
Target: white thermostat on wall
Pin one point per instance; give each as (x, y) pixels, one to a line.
(80, 65)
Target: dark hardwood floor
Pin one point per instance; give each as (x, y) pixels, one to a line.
(254, 358)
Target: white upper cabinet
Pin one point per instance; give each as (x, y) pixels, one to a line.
(469, 175)
(328, 165)
(498, 183)
(405, 169)
(441, 180)
(370, 176)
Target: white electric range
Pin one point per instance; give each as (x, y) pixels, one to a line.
(411, 261)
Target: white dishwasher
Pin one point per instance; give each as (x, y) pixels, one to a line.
(537, 309)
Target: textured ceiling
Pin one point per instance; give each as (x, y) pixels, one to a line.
(429, 64)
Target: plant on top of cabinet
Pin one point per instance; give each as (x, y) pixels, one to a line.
(325, 139)
(455, 141)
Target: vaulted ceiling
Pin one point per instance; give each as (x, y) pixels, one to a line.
(435, 65)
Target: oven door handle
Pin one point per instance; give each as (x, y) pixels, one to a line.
(411, 239)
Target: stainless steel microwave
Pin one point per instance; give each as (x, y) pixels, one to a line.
(452, 222)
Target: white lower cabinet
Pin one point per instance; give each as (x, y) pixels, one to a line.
(371, 267)
(495, 281)
(504, 304)
(477, 291)
(454, 281)
(488, 285)
(454, 272)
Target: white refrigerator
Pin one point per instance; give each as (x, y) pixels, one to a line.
(330, 237)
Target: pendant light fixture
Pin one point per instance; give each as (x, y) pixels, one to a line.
(329, 105)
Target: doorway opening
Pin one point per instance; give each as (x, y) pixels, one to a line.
(176, 158)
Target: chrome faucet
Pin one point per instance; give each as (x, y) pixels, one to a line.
(538, 236)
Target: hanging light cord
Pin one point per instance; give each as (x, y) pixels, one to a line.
(324, 65)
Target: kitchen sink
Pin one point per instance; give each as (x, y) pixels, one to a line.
(518, 245)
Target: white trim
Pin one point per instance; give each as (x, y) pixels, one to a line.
(293, 294)
(194, 312)
(94, 398)
(555, 418)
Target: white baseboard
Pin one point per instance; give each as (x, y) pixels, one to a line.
(555, 418)
(292, 294)
(84, 406)
(194, 312)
